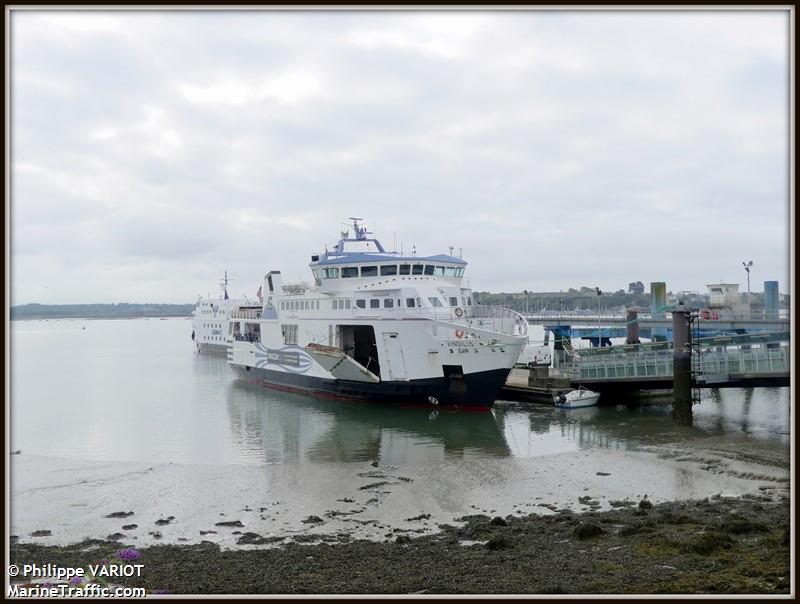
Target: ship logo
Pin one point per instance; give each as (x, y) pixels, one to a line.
(288, 358)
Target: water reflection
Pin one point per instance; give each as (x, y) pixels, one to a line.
(289, 427)
(274, 427)
(531, 429)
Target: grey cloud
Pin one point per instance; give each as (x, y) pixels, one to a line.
(557, 149)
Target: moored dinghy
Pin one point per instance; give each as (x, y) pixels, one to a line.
(582, 397)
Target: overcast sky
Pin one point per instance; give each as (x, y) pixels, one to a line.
(151, 151)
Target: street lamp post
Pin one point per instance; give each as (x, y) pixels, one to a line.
(747, 265)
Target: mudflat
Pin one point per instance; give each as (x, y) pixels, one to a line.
(720, 545)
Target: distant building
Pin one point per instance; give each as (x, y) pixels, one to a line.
(637, 287)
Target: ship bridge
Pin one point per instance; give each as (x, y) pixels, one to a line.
(364, 260)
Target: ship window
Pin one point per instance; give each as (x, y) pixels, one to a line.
(331, 273)
(369, 271)
(416, 269)
(349, 271)
(463, 301)
(390, 269)
(361, 303)
(347, 303)
(388, 303)
(374, 303)
(453, 301)
(460, 271)
(405, 269)
(451, 271)
(428, 269)
(317, 304)
(469, 300)
(317, 276)
(289, 334)
(434, 301)
(410, 302)
(335, 304)
(419, 302)
(398, 303)
(440, 271)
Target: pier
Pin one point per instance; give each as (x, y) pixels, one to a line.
(729, 361)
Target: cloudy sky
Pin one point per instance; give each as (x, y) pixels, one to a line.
(153, 150)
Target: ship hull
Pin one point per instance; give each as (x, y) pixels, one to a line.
(476, 390)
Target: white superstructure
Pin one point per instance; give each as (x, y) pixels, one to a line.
(377, 325)
(210, 319)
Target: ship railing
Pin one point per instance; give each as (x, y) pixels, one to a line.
(490, 318)
(250, 313)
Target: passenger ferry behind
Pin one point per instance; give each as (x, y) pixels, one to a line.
(377, 326)
(210, 319)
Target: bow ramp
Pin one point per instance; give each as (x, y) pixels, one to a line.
(342, 367)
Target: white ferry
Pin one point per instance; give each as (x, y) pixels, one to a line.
(377, 326)
(210, 319)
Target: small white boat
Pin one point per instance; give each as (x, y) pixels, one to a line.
(582, 397)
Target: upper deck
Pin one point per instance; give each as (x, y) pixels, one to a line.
(361, 260)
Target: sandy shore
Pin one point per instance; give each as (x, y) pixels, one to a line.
(710, 546)
(700, 517)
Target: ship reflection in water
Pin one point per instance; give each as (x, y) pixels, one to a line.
(290, 427)
(275, 427)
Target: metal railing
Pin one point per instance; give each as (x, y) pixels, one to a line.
(250, 313)
(709, 365)
(491, 318)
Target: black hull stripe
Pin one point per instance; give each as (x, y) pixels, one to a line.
(476, 391)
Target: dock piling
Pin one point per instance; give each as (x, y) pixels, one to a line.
(682, 367)
(632, 327)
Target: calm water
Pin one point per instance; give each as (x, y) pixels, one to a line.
(134, 390)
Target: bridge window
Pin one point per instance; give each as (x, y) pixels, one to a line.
(469, 300)
(429, 269)
(369, 271)
(390, 269)
(361, 303)
(460, 271)
(434, 301)
(439, 271)
(450, 271)
(331, 273)
(453, 301)
(349, 271)
(374, 303)
(388, 303)
(417, 269)
(409, 302)
(405, 269)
